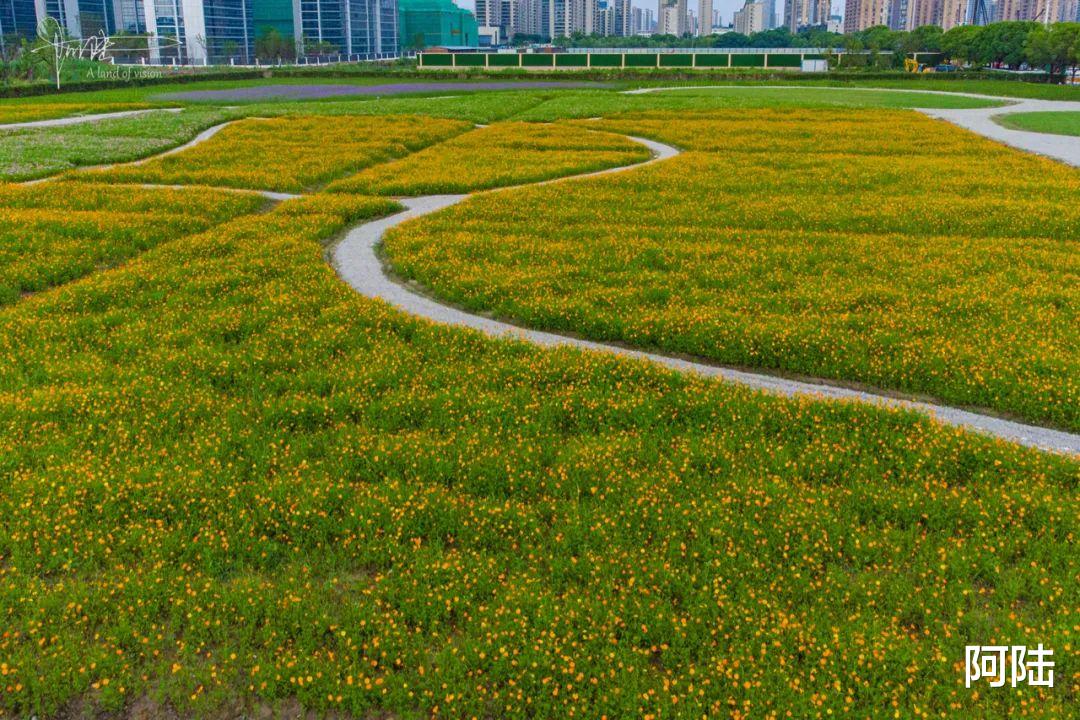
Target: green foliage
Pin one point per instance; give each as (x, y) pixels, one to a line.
(960, 43)
(1003, 43)
(1056, 47)
(271, 46)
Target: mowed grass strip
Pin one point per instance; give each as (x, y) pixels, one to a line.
(1055, 123)
(23, 111)
(29, 153)
(871, 247)
(227, 479)
(497, 155)
(596, 103)
(56, 232)
(289, 154)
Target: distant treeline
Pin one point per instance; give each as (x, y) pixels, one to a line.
(1054, 47)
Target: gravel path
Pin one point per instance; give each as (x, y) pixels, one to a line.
(978, 120)
(78, 119)
(316, 91)
(981, 120)
(358, 264)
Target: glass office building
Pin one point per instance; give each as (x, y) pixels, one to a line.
(229, 27)
(165, 21)
(219, 31)
(132, 16)
(368, 28)
(276, 15)
(17, 18)
(97, 17)
(323, 25)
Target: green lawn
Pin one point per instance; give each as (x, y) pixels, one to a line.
(1056, 123)
(38, 152)
(592, 103)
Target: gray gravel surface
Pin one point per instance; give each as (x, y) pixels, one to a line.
(357, 262)
(77, 119)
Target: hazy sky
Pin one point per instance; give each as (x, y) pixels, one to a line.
(727, 8)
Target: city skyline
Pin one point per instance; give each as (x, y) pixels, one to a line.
(727, 8)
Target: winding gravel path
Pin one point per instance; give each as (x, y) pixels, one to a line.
(1065, 148)
(79, 119)
(978, 120)
(357, 261)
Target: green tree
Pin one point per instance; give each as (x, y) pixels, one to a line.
(926, 38)
(878, 38)
(776, 38)
(271, 45)
(1003, 43)
(1054, 48)
(959, 43)
(49, 50)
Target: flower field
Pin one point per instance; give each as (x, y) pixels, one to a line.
(232, 486)
(281, 490)
(495, 156)
(57, 232)
(289, 154)
(29, 112)
(865, 246)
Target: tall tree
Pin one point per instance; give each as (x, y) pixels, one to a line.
(1054, 47)
(959, 43)
(1004, 43)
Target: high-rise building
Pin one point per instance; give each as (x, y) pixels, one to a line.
(530, 18)
(219, 31)
(802, 13)
(671, 18)
(17, 17)
(201, 31)
(623, 20)
(751, 18)
(704, 16)
(1046, 11)
(863, 14)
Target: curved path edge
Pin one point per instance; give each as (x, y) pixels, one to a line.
(980, 121)
(79, 119)
(356, 260)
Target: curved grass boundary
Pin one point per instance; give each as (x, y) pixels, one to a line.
(1053, 123)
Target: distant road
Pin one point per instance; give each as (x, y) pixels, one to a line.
(316, 92)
